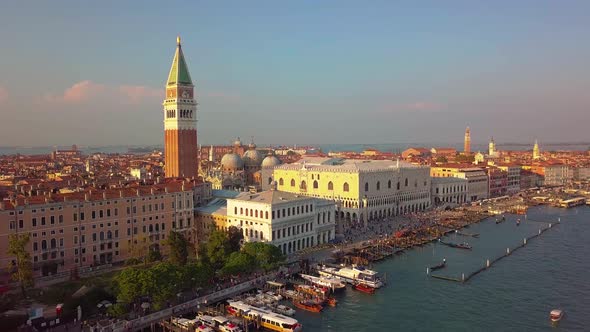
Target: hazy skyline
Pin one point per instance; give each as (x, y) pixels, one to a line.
(300, 72)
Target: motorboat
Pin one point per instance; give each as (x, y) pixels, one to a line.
(353, 275)
(284, 310)
(556, 315)
(463, 245)
(364, 288)
(329, 282)
(308, 305)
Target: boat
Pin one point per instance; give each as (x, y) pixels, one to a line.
(223, 324)
(518, 222)
(284, 310)
(308, 305)
(463, 245)
(331, 301)
(556, 315)
(329, 282)
(467, 234)
(364, 288)
(265, 318)
(439, 266)
(276, 297)
(352, 275)
(312, 290)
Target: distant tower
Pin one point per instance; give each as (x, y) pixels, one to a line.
(536, 152)
(492, 147)
(211, 153)
(180, 120)
(467, 143)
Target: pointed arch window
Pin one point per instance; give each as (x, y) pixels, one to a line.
(406, 184)
(315, 184)
(330, 186)
(366, 186)
(345, 187)
(378, 185)
(389, 184)
(281, 182)
(292, 182)
(303, 185)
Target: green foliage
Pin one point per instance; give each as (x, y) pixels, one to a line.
(266, 256)
(154, 255)
(117, 310)
(23, 267)
(238, 263)
(87, 302)
(196, 275)
(129, 284)
(218, 249)
(235, 237)
(132, 261)
(178, 248)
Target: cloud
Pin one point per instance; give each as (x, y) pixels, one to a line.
(419, 106)
(137, 93)
(87, 91)
(3, 94)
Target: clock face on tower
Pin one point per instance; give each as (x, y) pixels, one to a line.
(186, 93)
(171, 93)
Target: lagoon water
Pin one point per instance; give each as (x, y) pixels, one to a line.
(516, 294)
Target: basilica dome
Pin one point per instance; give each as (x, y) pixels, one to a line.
(271, 161)
(252, 157)
(231, 162)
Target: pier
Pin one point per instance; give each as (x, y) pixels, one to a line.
(489, 263)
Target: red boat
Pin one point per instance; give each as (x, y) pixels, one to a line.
(364, 288)
(331, 301)
(308, 305)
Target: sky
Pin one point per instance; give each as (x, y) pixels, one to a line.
(297, 72)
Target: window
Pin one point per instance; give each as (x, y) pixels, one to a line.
(389, 184)
(406, 183)
(292, 182)
(315, 184)
(61, 218)
(42, 221)
(303, 185)
(366, 186)
(281, 182)
(93, 214)
(34, 222)
(378, 185)
(330, 186)
(345, 187)
(397, 185)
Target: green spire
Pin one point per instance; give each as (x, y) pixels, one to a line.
(179, 71)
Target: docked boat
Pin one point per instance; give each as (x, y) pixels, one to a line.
(364, 288)
(352, 275)
(442, 265)
(556, 315)
(312, 290)
(467, 234)
(308, 305)
(329, 282)
(265, 318)
(284, 310)
(331, 302)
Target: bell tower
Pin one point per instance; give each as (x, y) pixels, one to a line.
(180, 120)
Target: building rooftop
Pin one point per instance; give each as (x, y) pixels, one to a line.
(324, 163)
(271, 197)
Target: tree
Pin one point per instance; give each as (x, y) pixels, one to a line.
(140, 248)
(195, 275)
(238, 263)
(22, 266)
(218, 249)
(235, 238)
(178, 248)
(266, 255)
(129, 284)
(154, 254)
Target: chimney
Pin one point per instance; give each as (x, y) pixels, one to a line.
(158, 179)
(121, 193)
(87, 196)
(183, 185)
(152, 191)
(65, 198)
(104, 195)
(166, 189)
(138, 193)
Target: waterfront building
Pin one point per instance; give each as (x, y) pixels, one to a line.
(289, 221)
(449, 191)
(363, 189)
(513, 172)
(180, 120)
(477, 178)
(536, 151)
(552, 174)
(467, 141)
(83, 229)
(497, 182)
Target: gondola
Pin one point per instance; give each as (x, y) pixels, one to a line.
(439, 266)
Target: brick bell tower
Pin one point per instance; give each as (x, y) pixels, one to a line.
(180, 120)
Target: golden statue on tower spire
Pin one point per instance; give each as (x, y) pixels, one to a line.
(178, 40)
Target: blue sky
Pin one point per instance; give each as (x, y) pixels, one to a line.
(305, 72)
